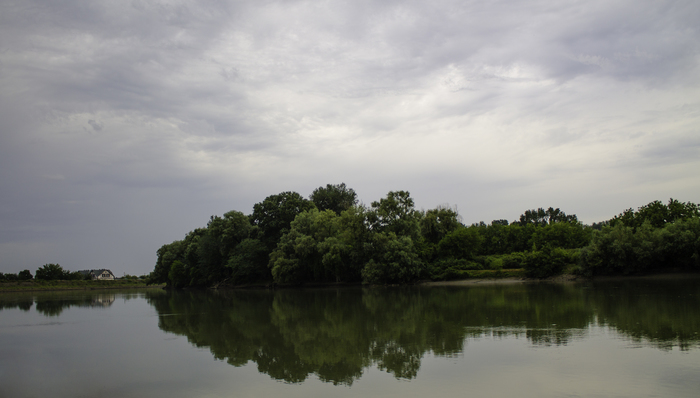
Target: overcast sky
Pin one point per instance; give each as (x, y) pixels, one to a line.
(126, 124)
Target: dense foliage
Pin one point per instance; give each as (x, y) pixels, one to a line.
(47, 272)
(330, 238)
(21, 276)
(54, 272)
(655, 237)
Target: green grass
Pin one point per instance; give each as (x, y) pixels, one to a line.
(71, 285)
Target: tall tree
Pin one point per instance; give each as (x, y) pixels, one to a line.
(274, 215)
(396, 213)
(334, 197)
(50, 272)
(438, 222)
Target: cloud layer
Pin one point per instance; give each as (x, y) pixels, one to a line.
(123, 125)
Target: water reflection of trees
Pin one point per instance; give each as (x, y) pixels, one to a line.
(336, 334)
(54, 303)
(664, 313)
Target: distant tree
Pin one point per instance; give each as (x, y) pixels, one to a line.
(657, 214)
(25, 275)
(73, 276)
(334, 197)
(50, 272)
(599, 225)
(545, 217)
(9, 277)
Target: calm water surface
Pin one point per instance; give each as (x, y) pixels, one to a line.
(633, 338)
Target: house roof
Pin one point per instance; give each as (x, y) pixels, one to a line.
(95, 271)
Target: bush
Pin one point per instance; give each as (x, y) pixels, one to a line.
(452, 268)
(545, 262)
(625, 250)
(493, 262)
(460, 243)
(513, 260)
(395, 261)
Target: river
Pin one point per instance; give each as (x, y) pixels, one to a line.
(623, 338)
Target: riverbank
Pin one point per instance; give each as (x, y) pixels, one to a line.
(34, 285)
(566, 278)
(505, 280)
(480, 277)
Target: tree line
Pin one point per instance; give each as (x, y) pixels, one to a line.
(47, 272)
(331, 238)
(52, 272)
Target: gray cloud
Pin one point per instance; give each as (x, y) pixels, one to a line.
(123, 125)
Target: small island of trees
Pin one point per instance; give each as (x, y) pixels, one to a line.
(331, 238)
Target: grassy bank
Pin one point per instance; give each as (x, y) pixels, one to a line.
(22, 286)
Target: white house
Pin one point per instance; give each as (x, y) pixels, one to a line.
(99, 274)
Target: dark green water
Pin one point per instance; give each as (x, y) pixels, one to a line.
(632, 338)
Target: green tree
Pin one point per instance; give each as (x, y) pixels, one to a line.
(311, 250)
(657, 214)
(166, 256)
(274, 215)
(10, 277)
(25, 275)
(545, 262)
(566, 235)
(396, 213)
(394, 261)
(248, 263)
(50, 272)
(178, 276)
(73, 276)
(461, 243)
(437, 223)
(337, 198)
(545, 217)
(622, 249)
